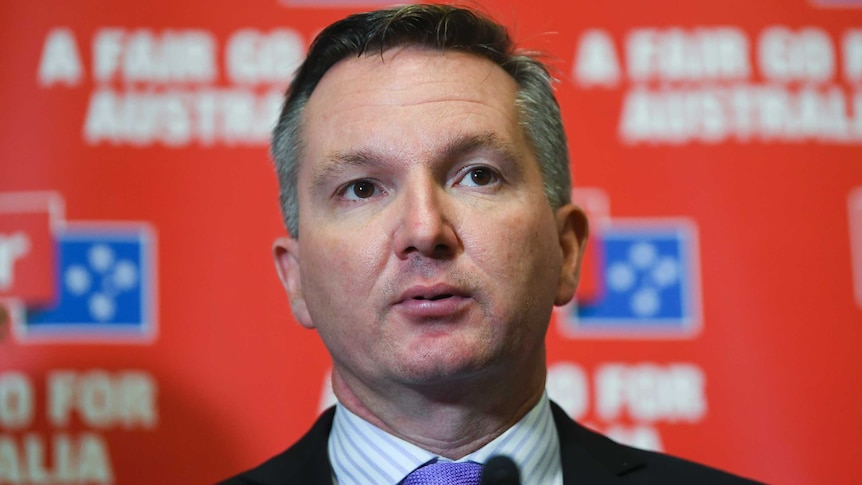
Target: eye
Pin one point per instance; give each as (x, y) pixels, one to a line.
(479, 177)
(361, 189)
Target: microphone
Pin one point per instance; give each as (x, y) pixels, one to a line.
(500, 470)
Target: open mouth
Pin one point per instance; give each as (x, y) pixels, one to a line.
(440, 293)
(433, 302)
(434, 298)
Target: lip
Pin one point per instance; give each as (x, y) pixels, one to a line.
(437, 301)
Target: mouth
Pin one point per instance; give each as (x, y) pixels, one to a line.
(440, 301)
(440, 291)
(435, 297)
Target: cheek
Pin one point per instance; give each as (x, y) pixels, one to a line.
(332, 282)
(525, 267)
(340, 266)
(519, 247)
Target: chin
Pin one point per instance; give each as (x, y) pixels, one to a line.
(433, 369)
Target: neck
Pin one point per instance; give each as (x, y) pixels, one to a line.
(451, 419)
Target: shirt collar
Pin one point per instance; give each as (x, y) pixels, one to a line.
(362, 453)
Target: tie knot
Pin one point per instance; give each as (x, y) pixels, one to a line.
(445, 473)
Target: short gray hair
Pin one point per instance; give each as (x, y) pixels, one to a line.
(439, 27)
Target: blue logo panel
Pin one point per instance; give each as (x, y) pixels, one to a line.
(104, 284)
(651, 283)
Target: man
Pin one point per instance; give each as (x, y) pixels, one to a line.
(425, 182)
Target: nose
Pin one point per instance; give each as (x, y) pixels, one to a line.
(424, 222)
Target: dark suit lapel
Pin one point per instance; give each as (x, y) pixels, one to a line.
(586, 456)
(305, 462)
(589, 457)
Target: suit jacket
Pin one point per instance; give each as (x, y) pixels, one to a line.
(587, 458)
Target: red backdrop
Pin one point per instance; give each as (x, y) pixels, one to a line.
(146, 338)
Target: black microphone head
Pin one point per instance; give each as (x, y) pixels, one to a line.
(500, 470)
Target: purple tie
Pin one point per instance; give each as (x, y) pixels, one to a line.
(445, 473)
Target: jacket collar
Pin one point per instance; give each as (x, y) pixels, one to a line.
(586, 456)
(589, 457)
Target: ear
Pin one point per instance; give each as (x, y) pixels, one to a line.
(573, 228)
(285, 251)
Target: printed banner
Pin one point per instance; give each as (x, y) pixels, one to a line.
(716, 147)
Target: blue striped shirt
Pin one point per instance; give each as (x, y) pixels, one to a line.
(363, 454)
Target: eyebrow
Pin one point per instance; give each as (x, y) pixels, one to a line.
(460, 146)
(339, 162)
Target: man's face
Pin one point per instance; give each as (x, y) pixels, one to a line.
(427, 248)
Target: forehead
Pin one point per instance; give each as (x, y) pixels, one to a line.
(416, 71)
(419, 95)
